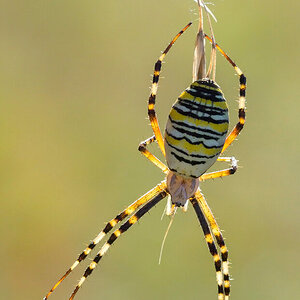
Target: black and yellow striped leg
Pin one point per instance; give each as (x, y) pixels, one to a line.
(123, 228)
(154, 87)
(211, 246)
(219, 238)
(111, 224)
(143, 149)
(222, 173)
(242, 99)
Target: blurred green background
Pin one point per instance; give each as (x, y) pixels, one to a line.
(75, 78)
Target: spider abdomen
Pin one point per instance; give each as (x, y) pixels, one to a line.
(196, 129)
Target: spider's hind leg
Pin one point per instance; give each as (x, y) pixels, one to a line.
(242, 98)
(154, 87)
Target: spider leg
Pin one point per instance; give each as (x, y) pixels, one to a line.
(143, 149)
(123, 228)
(242, 99)
(222, 173)
(111, 224)
(211, 246)
(219, 238)
(154, 87)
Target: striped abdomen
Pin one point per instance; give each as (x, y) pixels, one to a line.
(196, 129)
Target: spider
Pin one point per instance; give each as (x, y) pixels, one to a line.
(195, 136)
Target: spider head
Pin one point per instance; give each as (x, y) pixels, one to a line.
(181, 188)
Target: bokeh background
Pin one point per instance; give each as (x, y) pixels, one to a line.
(74, 82)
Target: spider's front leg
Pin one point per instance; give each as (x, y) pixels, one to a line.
(143, 149)
(199, 199)
(161, 193)
(153, 193)
(211, 246)
(215, 229)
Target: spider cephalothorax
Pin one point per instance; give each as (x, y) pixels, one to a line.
(181, 188)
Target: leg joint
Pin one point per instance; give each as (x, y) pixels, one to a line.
(243, 79)
(143, 145)
(234, 165)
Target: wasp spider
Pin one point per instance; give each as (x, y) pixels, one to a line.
(195, 136)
